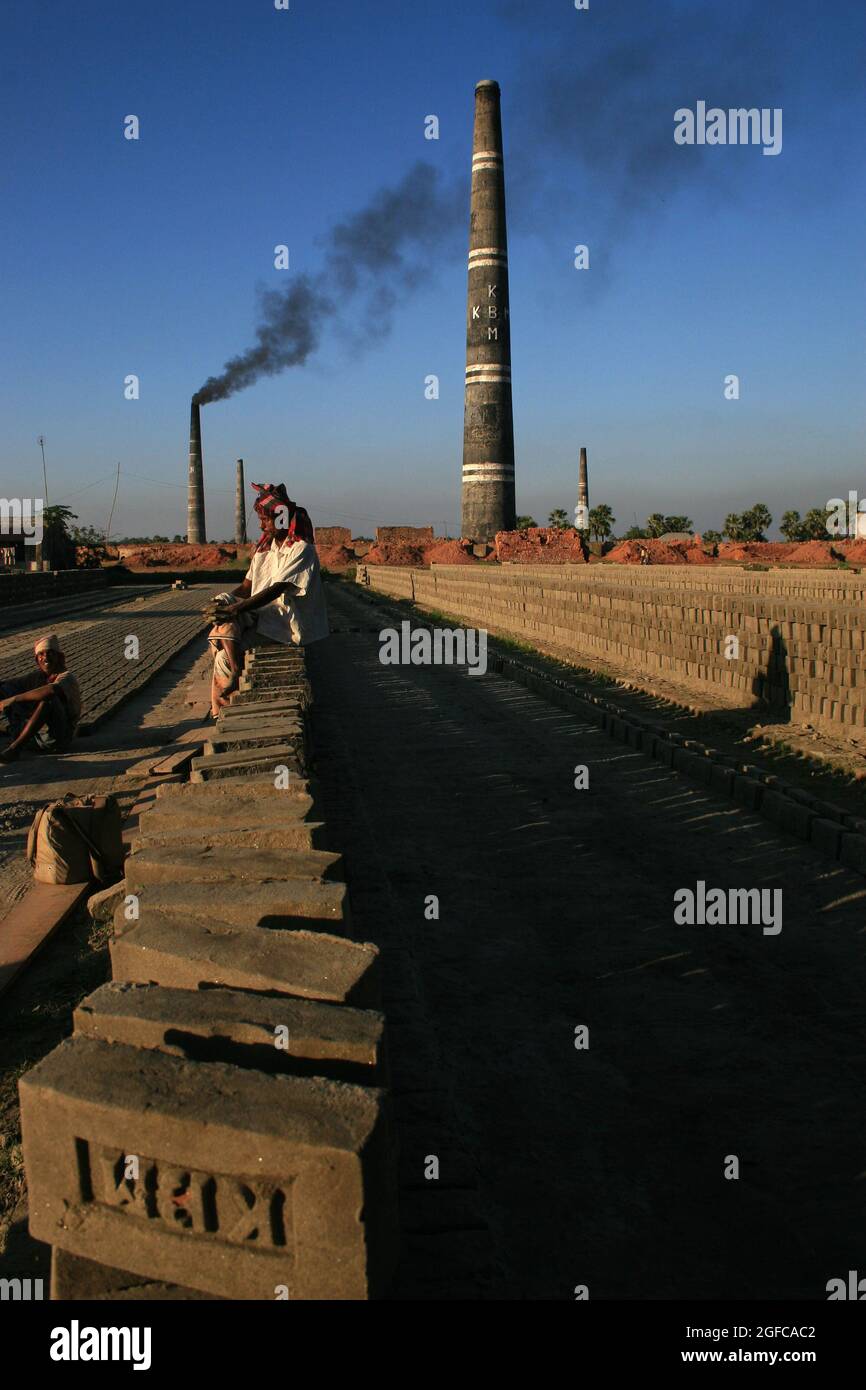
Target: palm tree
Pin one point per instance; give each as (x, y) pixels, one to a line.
(601, 522)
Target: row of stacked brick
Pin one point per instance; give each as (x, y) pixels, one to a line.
(218, 1124)
(800, 636)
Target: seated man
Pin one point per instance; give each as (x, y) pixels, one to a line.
(283, 584)
(43, 709)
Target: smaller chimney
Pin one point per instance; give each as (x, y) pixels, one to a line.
(195, 527)
(581, 514)
(240, 507)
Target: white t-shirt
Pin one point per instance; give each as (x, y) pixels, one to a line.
(292, 618)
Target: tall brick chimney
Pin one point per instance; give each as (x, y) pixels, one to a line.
(581, 519)
(195, 527)
(488, 502)
(240, 507)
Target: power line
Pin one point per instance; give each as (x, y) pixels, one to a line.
(88, 486)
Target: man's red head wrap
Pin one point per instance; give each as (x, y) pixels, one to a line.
(295, 521)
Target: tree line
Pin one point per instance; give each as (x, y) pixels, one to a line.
(750, 525)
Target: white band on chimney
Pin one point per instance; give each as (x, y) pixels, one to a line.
(487, 472)
(498, 262)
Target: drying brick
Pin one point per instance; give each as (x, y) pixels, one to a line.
(246, 1183)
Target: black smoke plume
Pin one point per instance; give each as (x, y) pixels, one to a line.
(599, 100)
(376, 257)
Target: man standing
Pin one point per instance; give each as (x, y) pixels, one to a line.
(283, 585)
(44, 708)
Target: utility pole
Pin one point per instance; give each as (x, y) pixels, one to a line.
(113, 500)
(41, 443)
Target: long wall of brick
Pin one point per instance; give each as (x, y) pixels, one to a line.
(801, 634)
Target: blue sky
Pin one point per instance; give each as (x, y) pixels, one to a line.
(261, 127)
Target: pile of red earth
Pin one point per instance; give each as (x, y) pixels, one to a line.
(444, 552)
(184, 557)
(785, 552)
(750, 552)
(658, 553)
(537, 545)
(541, 545)
(420, 555)
(395, 553)
(815, 553)
(335, 557)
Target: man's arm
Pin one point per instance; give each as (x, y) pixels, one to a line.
(247, 605)
(28, 697)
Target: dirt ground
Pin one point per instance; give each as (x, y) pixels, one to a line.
(605, 1166)
(831, 765)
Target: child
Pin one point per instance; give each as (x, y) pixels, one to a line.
(225, 640)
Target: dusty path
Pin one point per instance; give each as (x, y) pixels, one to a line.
(605, 1167)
